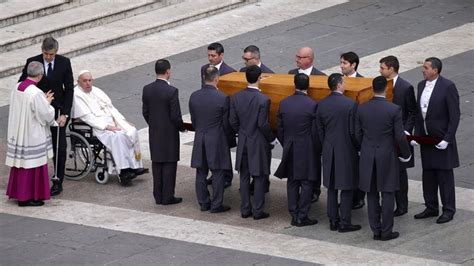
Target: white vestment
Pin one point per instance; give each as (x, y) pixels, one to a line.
(95, 108)
(29, 137)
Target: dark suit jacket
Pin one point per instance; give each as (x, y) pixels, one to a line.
(263, 67)
(358, 75)
(404, 96)
(224, 69)
(379, 129)
(314, 71)
(298, 134)
(442, 120)
(209, 109)
(162, 113)
(249, 110)
(336, 117)
(62, 82)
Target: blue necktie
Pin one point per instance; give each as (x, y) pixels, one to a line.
(50, 71)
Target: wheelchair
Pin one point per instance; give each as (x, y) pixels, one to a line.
(85, 153)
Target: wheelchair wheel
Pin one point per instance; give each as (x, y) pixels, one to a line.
(101, 176)
(79, 158)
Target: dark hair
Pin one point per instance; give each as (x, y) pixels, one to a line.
(210, 73)
(333, 80)
(379, 84)
(435, 63)
(49, 43)
(161, 66)
(253, 73)
(253, 49)
(301, 81)
(352, 58)
(216, 47)
(391, 61)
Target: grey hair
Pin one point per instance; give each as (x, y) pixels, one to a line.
(49, 43)
(34, 69)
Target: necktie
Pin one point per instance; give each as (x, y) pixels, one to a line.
(49, 75)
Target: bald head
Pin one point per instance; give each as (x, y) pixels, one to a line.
(304, 57)
(84, 80)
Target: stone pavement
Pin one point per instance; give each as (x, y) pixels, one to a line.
(94, 224)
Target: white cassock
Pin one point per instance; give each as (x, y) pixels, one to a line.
(95, 108)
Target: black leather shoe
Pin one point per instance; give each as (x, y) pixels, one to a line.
(56, 189)
(31, 203)
(444, 219)
(333, 226)
(390, 236)
(294, 221)
(315, 197)
(376, 237)
(358, 204)
(173, 201)
(140, 171)
(246, 215)
(349, 228)
(399, 212)
(426, 214)
(306, 222)
(263, 215)
(222, 208)
(227, 184)
(205, 207)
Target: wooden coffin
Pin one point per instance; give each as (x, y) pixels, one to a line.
(280, 86)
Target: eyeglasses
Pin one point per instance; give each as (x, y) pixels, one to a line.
(301, 57)
(247, 59)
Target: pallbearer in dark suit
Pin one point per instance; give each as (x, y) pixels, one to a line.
(335, 117)
(438, 116)
(349, 62)
(305, 63)
(403, 96)
(209, 109)
(301, 150)
(251, 57)
(249, 117)
(215, 55)
(57, 79)
(379, 130)
(162, 113)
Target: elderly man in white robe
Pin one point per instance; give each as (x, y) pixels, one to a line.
(92, 106)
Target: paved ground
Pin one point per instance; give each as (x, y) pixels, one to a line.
(93, 224)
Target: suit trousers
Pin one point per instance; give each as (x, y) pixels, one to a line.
(299, 193)
(401, 195)
(256, 207)
(342, 213)
(202, 191)
(164, 181)
(380, 216)
(444, 180)
(358, 195)
(61, 150)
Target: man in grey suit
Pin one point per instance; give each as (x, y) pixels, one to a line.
(335, 117)
(301, 150)
(209, 109)
(251, 57)
(249, 117)
(162, 113)
(438, 117)
(403, 96)
(379, 129)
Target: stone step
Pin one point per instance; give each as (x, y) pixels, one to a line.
(120, 31)
(73, 20)
(17, 11)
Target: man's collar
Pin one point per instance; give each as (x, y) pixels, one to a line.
(164, 80)
(353, 75)
(218, 66)
(253, 87)
(433, 81)
(379, 96)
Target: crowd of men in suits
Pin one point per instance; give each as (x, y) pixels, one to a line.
(360, 149)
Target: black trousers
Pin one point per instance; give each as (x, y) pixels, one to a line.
(299, 194)
(202, 192)
(164, 181)
(401, 195)
(434, 179)
(358, 195)
(228, 176)
(342, 213)
(380, 216)
(61, 150)
(246, 206)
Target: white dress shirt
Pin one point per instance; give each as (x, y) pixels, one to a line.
(306, 71)
(218, 66)
(426, 95)
(45, 64)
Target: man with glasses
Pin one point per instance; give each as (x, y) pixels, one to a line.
(251, 57)
(304, 62)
